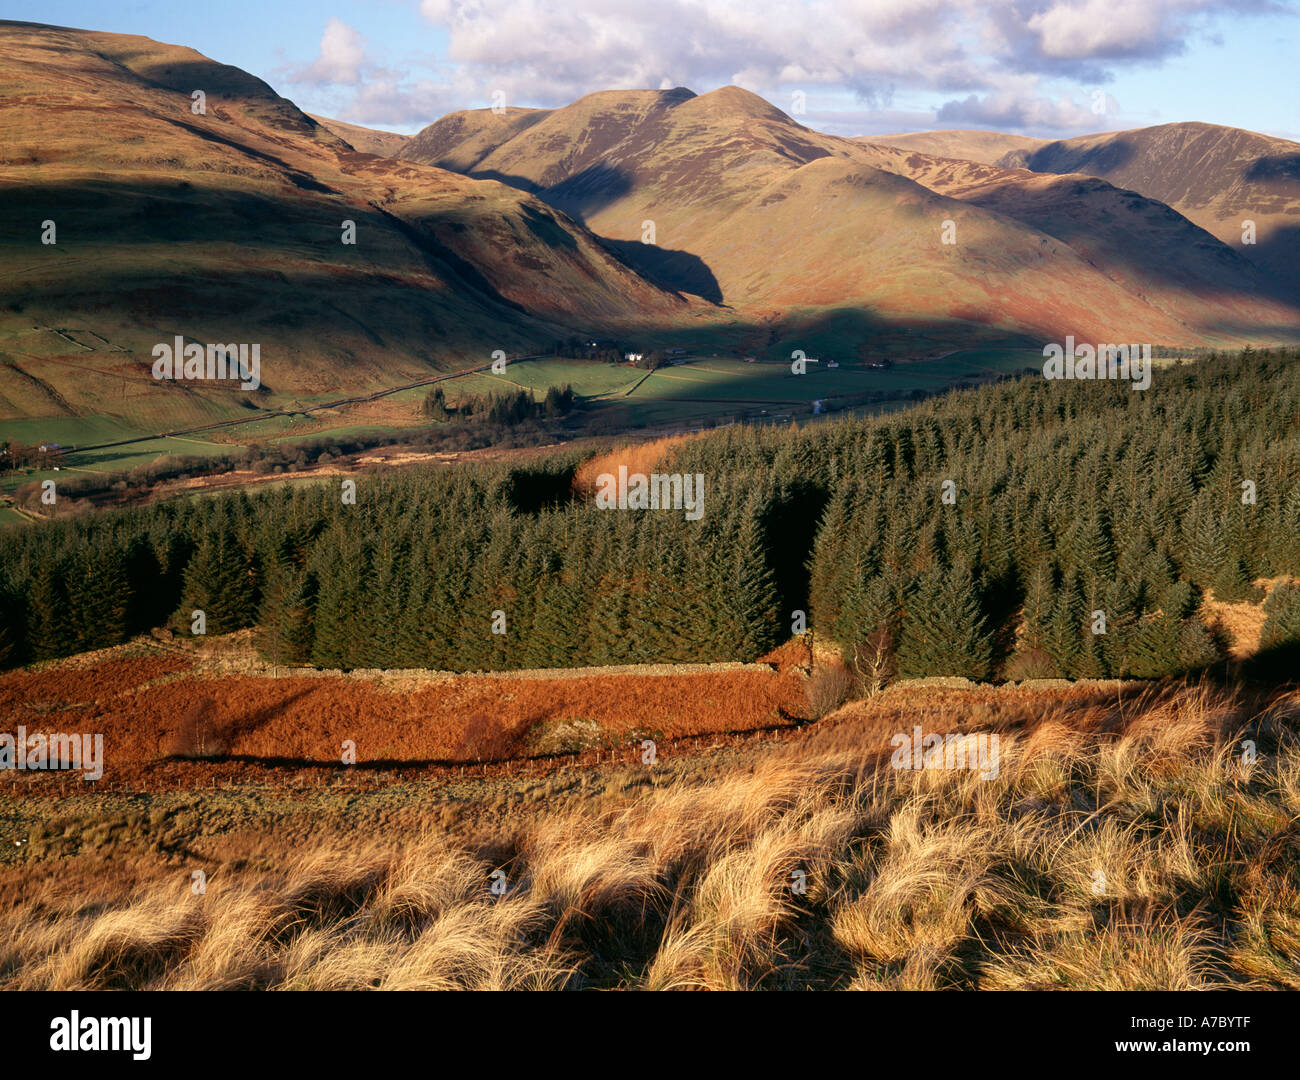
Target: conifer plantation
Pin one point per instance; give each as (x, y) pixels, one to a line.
(1026, 529)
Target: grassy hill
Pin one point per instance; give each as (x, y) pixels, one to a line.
(756, 212)
(367, 140)
(985, 147)
(1218, 177)
(227, 225)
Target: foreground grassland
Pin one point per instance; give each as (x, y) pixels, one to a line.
(1128, 842)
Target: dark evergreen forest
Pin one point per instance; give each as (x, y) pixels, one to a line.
(986, 533)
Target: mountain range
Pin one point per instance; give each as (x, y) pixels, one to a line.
(760, 213)
(508, 228)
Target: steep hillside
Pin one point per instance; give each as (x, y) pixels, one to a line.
(1138, 242)
(186, 198)
(1216, 176)
(367, 140)
(227, 225)
(461, 140)
(754, 211)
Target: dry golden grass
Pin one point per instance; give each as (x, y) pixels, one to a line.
(1121, 846)
(639, 457)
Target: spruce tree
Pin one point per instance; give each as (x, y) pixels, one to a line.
(1119, 602)
(943, 629)
(1155, 649)
(751, 593)
(872, 641)
(284, 622)
(1064, 638)
(1040, 599)
(219, 582)
(52, 629)
(1232, 581)
(103, 596)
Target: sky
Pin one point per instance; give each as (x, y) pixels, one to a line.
(1049, 68)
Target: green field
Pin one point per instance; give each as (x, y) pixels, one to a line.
(590, 379)
(719, 386)
(340, 432)
(700, 389)
(71, 431)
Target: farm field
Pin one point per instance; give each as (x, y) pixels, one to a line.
(703, 388)
(708, 383)
(108, 460)
(712, 386)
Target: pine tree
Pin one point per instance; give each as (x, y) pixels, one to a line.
(1232, 582)
(1119, 602)
(338, 568)
(1205, 553)
(284, 622)
(219, 582)
(1155, 651)
(1040, 599)
(1091, 660)
(1196, 647)
(1090, 555)
(943, 629)
(52, 629)
(1064, 638)
(872, 641)
(103, 596)
(751, 592)
(1179, 600)
(830, 571)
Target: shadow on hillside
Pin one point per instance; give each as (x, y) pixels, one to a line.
(590, 191)
(295, 281)
(1277, 253)
(676, 271)
(289, 282)
(1275, 666)
(217, 80)
(1274, 167)
(297, 177)
(580, 195)
(1058, 157)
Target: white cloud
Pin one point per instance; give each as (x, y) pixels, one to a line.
(1010, 62)
(569, 47)
(1075, 29)
(341, 60)
(1011, 112)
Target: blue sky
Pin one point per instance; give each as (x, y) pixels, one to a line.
(1052, 68)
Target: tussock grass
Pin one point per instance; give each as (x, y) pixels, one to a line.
(1121, 846)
